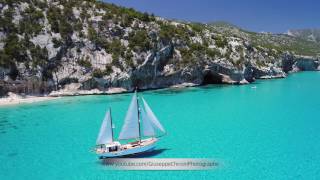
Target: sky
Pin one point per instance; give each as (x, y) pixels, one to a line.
(275, 16)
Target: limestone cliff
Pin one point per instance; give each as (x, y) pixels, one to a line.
(50, 45)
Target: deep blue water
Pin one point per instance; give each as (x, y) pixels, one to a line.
(268, 132)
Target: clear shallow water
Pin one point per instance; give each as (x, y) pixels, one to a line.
(271, 132)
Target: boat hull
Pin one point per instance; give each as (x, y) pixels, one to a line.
(124, 152)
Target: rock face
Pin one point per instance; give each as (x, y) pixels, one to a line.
(307, 34)
(82, 47)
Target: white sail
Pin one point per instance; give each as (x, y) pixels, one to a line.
(130, 129)
(146, 124)
(105, 134)
(153, 119)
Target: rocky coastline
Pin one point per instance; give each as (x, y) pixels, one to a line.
(208, 74)
(105, 49)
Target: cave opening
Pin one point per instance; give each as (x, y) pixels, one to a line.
(212, 78)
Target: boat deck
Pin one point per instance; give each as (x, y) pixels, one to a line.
(135, 144)
(131, 145)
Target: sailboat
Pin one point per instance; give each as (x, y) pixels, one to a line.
(140, 129)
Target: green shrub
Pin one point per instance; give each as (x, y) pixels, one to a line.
(6, 23)
(126, 20)
(197, 27)
(181, 32)
(139, 40)
(116, 49)
(56, 43)
(97, 73)
(31, 21)
(53, 15)
(212, 53)
(61, 22)
(227, 54)
(39, 56)
(67, 11)
(40, 4)
(145, 17)
(85, 63)
(167, 31)
(14, 48)
(115, 58)
(128, 58)
(116, 61)
(260, 63)
(221, 41)
(92, 34)
(5, 60)
(187, 56)
(108, 69)
(84, 15)
(65, 29)
(197, 47)
(99, 41)
(78, 26)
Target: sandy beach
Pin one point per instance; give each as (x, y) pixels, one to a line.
(13, 99)
(75, 92)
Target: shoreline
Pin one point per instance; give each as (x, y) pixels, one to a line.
(17, 100)
(14, 99)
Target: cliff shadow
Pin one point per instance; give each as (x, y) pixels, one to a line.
(212, 78)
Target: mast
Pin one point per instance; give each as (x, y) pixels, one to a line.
(138, 119)
(111, 125)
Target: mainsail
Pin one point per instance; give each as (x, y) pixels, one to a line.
(105, 134)
(151, 117)
(130, 129)
(148, 130)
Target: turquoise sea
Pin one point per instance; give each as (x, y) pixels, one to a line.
(268, 132)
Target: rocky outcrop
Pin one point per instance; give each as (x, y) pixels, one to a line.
(153, 74)
(288, 61)
(306, 64)
(28, 86)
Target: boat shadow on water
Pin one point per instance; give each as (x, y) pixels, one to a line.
(140, 155)
(146, 154)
